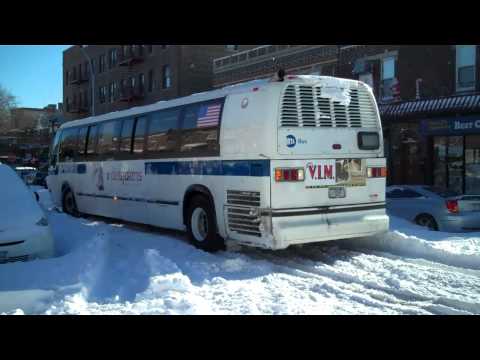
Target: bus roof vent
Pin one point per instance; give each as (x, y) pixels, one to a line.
(304, 106)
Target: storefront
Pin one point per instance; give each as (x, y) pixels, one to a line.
(434, 142)
(455, 152)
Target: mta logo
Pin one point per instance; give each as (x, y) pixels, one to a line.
(291, 141)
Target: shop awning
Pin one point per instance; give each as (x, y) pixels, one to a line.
(437, 106)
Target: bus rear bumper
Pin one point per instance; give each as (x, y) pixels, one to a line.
(299, 229)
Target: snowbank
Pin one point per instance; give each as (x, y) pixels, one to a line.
(407, 239)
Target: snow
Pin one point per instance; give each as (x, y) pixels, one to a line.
(105, 267)
(18, 204)
(408, 239)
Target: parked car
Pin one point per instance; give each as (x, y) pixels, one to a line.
(24, 230)
(26, 173)
(435, 208)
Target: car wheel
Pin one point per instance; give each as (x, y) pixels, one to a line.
(427, 221)
(202, 225)
(69, 204)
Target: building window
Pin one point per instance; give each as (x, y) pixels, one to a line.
(465, 67)
(102, 64)
(115, 90)
(141, 83)
(388, 81)
(167, 77)
(111, 92)
(123, 85)
(87, 71)
(112, 58)
(102, 94)
(150, 80)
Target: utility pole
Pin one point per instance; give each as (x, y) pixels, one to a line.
(92, 77)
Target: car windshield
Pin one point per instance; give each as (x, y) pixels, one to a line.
(445, 193)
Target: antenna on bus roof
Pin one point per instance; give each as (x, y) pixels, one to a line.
(279, 72)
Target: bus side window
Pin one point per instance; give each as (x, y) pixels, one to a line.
(139, 135)
(126, 136)
(92, 142)
(200, 129)
(68, 146)
(162, 138)
(82, 142)
(108, 139)
(54, 150)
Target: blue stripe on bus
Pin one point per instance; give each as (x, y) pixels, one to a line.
(255, 168)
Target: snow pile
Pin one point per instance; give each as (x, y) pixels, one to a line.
(408, 239)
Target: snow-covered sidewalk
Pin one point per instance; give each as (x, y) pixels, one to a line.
(109, 268)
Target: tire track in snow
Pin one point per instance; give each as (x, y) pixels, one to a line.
(380, 281)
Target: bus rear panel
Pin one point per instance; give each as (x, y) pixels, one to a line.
(327, 171)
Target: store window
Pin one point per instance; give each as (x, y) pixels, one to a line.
(472, 164)
(465, 67)
(440, 162)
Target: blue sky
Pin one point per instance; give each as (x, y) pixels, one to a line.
(32, 73)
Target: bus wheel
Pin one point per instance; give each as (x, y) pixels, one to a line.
(69, 204)
(202, 226)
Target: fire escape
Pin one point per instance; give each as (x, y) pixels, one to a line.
(132, 87)
(79, 106)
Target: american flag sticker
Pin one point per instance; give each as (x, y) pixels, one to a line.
(209, 115)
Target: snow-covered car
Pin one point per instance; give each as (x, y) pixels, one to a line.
(24, 230)
(437, 209)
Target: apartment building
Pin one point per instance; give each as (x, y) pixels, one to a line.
(125, 76)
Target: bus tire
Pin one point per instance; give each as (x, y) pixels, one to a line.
(202, 225)
(69, 205)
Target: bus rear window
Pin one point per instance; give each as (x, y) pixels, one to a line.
(368, 141)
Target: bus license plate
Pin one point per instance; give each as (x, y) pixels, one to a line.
(336, 193)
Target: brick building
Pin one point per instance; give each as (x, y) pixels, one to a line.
(263, 61)
(135, 75)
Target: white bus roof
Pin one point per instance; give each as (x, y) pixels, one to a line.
(208, 95)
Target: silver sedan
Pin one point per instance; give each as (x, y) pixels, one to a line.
(437, 209)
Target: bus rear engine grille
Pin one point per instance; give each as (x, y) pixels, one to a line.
(243, 198)
(245, 221)
(304, 106)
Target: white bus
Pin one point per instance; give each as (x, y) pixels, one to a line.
(265, 163)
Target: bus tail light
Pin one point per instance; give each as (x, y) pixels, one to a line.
(452, 206)
(377, 172)
(291, 174)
